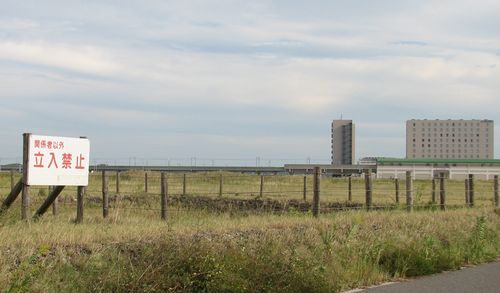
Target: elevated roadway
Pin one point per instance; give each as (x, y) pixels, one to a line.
(335, 170)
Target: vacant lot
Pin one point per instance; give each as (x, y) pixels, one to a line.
(200, 249)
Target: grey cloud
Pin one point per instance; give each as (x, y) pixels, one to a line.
(233, 74)
(411, 43)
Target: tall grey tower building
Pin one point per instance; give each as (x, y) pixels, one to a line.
(342, 142)
(449, 139)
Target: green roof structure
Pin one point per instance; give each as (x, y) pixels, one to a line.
(394, 161)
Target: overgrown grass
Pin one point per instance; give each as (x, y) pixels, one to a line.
(197, 251)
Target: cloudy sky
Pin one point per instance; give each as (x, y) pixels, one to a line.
(224, 81)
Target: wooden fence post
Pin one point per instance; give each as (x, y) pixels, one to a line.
(48, 201)
(471, 190)
(55, 204)
(317, 190)
(146, 181)
(117, 182)
(14, 193)
(261, 190)
(12, 183)
(221, 184)
(305, 188)
(368, 189)
(442, 192)
(80, 193)
(396, 185)
(349, 189)
(466, 192)
(433, 192)
(105, 196)
(184, 184)
(25, 197)
(164, 196)
(409, 191)
(495, 191)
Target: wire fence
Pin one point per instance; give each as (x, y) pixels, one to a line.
(252, 193)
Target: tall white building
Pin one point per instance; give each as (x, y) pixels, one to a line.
(449, 139)
(342, 142)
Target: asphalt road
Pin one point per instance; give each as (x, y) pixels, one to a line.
(483, 278)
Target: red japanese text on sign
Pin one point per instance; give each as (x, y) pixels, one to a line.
(48, 144)
(58, 161)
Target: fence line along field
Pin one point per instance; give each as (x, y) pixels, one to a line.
(144, 187)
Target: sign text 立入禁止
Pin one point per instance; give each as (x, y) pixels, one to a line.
(58, 161)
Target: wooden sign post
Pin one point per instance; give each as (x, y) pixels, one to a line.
(51, 161)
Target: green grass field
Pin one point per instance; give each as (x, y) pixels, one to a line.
(198, 250)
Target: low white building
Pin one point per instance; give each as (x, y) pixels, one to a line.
(428, 168)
